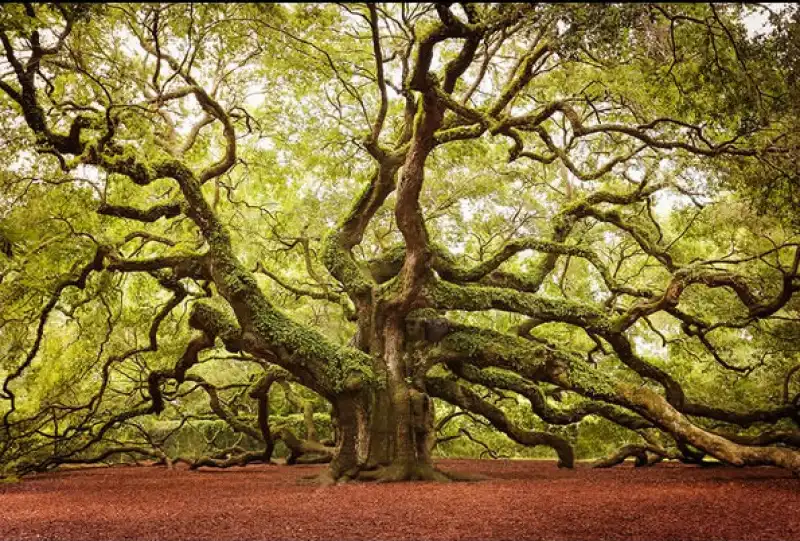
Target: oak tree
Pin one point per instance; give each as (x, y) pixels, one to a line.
(397, 214)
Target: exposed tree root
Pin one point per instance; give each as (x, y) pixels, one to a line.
(237, 460)
(619, 456)
(305, 451)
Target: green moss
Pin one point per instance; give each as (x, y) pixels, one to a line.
(126, 163)
(453, 297)
(394, 254)
(459, 133)
(358, 206)
(216, 317)
(338, 368)
(342, 266)
(499, 378)
(423, 313)
(586, 379)
(343, 368)
(490, 348)
(89, 149)
(388, 289)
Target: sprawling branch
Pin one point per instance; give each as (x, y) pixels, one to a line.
(465, 398)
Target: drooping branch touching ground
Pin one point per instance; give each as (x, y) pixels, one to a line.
(639, 452)
(470, 401)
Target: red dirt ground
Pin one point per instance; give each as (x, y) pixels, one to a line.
(523, 500)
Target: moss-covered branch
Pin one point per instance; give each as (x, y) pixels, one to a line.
(461, 396)
(447, 296)
(495, 378)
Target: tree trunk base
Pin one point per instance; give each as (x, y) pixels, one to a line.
(421, 472)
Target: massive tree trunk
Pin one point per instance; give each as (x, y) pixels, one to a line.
(386, 430)
(384, 435)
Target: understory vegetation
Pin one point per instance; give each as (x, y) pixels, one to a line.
(373, 234)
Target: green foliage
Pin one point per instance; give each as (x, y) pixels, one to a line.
(646, 145)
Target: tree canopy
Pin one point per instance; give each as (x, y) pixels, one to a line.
(409, 220)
